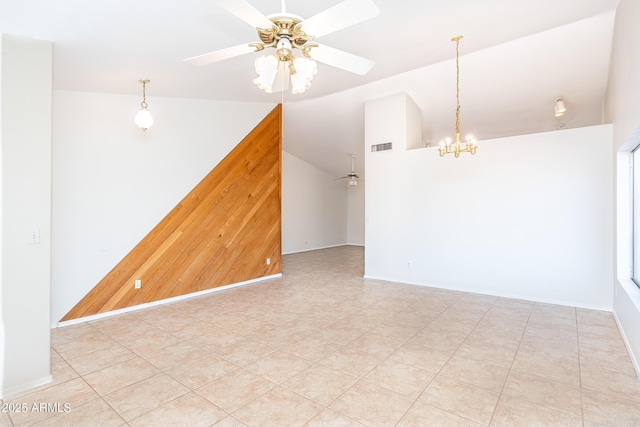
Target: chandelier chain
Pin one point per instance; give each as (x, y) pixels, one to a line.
(457, 39)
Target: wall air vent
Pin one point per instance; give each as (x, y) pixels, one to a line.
(381, 147)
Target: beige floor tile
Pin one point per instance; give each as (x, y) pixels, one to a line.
(376, 344)
(553, 367)
(199, 372)
(466, 400)
(372, 405)
(5, 421)
(610, 343)
(439, 339)
(542, 391)
(495, 336)
(417, 352)
(118, 376)
(329, 418)
(94, 413)
(452, 322)
(173, 355)
(616, 362)
(87, 342)
(75, 392)
(278, 366)
(235, 389)
(278, 407)
(481, 373)
(611, 382)
(353, 362)
(229, 422)
(482, 352)
(320, 383)
(149, 342)
(610, 410)
(216, 338)
(96, 360)
(363, 347)
(244, 352)
(187, 410)
(312, 348)
(407, 380)
(141, 397)
(518, 412)
(421, 414)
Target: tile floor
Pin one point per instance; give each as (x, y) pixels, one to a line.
(324, 347)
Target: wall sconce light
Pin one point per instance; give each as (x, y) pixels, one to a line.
(560, 108)
(143, 118)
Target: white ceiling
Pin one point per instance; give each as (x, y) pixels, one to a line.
(516, 58)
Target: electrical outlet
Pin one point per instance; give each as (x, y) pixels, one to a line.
(138, 284)
(33, 237)
(408, 264)
(268, 261)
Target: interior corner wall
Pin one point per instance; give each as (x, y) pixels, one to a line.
(314, 207)
(355, 213)
(527, 217)
(622, 107)
(25, 137)
(112, 183)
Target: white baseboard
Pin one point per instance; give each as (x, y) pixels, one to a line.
(25, 387)
(634, 359)
(316, 249)
(163, 301)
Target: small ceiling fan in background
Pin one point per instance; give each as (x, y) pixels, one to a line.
(353, 175)
(286, 33)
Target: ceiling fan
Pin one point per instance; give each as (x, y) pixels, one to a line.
(287, 33)
(353, 175)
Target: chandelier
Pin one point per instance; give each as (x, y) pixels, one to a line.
(285, 36)
(446, 146)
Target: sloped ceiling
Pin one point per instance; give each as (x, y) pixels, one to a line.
(516, 58)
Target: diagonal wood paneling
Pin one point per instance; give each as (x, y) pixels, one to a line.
(221, 233)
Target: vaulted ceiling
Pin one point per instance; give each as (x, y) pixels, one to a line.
(516, 58)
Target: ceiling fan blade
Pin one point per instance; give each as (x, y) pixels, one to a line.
(219, 55)
(246, 12)
(342, 177)
(342, 15)
(341, 59)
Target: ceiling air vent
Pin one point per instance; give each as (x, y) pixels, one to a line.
(381, 147)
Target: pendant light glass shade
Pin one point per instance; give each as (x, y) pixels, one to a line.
(143, 119)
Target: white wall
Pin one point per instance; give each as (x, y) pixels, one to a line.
(112, 182)
(623, 109)
(355, 213)
(25, 136)
(527, 217)
(314, 207)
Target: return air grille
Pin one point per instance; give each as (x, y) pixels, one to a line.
(381, 147)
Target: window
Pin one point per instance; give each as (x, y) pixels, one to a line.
(635, 206)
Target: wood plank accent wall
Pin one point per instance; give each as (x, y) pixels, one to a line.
(221, 233)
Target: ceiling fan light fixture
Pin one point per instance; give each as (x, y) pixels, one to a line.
(267, 69)
(143, 118)
(305, 70)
